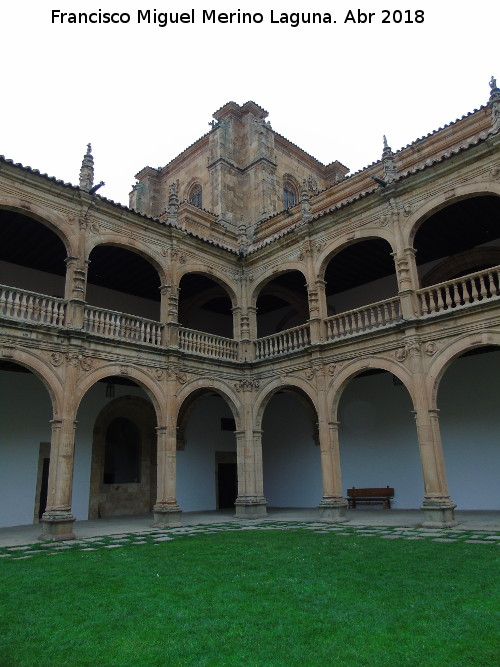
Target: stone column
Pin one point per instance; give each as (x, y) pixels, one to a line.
(333, 505)
(317, 310)
(75, 289)
(57, 520)
(250, 503)
(437, 505)
(169, 315)
(166, 512)
(406, 285)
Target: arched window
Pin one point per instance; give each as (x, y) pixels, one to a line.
(195, 195)
(289, 194)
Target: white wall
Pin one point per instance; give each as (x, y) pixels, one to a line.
(469, 403)
(291, 459)
(378, 439)
(196, 468)
(25, 413)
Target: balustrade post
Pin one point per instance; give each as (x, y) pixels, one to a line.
(57, 520)
(333, 505)
(166, 512)
(250, 503)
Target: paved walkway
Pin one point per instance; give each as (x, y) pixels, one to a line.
(477, 526)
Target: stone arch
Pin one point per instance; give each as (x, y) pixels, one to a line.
(346, 240)
(447, 355)
(354, 368)
(441, 201)
(136, 497)
(272, 273)
(187, 396)
(54, 221)
(145, 381)
(41, 369)
(377, 435)
(213, 274)
(137, 247)
(303, 388)
(207, 421)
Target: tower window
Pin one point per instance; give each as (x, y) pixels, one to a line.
(289, 195)
(195, 196)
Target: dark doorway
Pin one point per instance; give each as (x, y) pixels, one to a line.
(227, 484)
(44, 487)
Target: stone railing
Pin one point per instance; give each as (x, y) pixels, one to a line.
(121, 326)
(208, 345)
(31, 307)
(470, 289)
(283, 342)
(361, 320)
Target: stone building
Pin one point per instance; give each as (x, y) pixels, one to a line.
(257, 329)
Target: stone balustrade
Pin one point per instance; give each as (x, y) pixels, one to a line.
(361, 320)
(464, 291)
(31, 307)
(283, 342)
(208, 345)
(120, 326)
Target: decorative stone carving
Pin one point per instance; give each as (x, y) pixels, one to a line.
(401, 354)
(430, 348)
(56, 358)
(124, 370)
(247, 385)
(8, 352)
(331, 369)
(73, 358)
(159, 374)
(86, 363)
(310, 373)
(495, 172)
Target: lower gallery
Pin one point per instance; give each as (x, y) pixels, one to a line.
(257, 329)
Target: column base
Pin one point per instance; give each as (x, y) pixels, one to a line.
(167, 517)
(439, 515)
(333, 510)
(250, 508)
(57, 526)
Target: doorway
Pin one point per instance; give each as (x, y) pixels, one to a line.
(226, 478)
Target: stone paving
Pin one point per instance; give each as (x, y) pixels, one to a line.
(157, 536)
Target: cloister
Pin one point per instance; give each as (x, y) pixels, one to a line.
(271, 350)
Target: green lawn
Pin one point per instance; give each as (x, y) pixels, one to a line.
(254, 598)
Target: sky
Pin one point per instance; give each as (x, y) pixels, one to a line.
(142, 93)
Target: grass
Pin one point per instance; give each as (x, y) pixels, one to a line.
(254, 598)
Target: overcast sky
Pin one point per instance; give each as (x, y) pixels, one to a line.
(142, 93)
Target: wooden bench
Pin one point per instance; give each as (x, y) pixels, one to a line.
(382, 495)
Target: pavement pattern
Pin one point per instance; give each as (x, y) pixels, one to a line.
(158, 536)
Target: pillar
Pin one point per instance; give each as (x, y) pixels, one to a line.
(250, 503)
(333, 505)
(57, 520)
(437, 505)
(75, 290)
(166, 512)
(169, 315)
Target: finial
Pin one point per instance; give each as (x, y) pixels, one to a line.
(87, 170)
(494, 104)
(390, 171)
